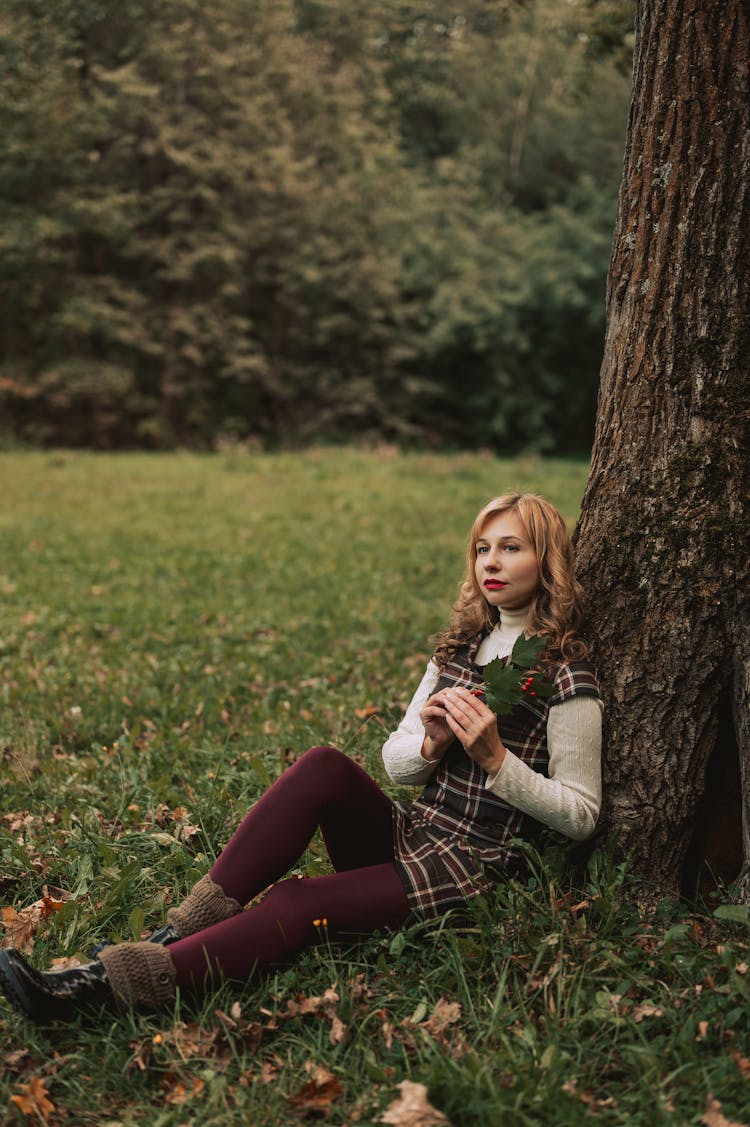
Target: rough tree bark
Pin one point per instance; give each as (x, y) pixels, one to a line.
(662, 544)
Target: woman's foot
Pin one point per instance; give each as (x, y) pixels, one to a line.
(55, 995)
(139, 976)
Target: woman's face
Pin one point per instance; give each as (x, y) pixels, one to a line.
(505, 567)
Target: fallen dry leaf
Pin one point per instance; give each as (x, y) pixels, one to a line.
(645, 1010)
(714, 1117)
(338, 1030)
(318, 1093)
(32, 1099)
(249, 1032)
(141, 1055)
(413, 1109)
(65, 962)
(587, 1097)
(360, 991)
(269, 1070)
(743, 1063)
(444, 1014)
(13, 1061)
(366, 713)
(176, 1092)
(323, 1005)
(21, 927)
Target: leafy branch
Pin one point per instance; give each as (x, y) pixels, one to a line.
(507, 682)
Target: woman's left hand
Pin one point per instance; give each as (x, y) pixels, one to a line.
(475, 726)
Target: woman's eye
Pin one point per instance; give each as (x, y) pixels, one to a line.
(481, 549)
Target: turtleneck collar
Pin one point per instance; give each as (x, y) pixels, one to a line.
(513, 619)
(499, 642)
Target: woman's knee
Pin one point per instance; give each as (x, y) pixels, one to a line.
(323, 760)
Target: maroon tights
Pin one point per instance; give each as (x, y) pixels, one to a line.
(325, 789)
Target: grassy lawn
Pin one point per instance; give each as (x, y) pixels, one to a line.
(173, 631)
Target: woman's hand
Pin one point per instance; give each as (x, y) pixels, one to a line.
(438, 736)
(475, 726)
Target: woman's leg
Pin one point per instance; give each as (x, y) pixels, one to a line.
(352, 903)
(323, 788)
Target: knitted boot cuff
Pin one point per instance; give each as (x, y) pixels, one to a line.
(142, 975)
(206, 904)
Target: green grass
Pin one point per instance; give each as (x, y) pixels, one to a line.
(175, 629)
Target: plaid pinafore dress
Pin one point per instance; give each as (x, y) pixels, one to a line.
(456, 839)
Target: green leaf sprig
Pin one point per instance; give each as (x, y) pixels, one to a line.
(508, 683)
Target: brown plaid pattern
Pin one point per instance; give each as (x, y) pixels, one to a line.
(456, 839)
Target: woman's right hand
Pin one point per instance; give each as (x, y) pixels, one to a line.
(437, 735)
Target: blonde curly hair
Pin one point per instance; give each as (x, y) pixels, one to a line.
(555, 611)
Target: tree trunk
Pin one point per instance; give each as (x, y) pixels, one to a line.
(662, 544)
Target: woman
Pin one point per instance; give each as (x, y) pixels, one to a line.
(486, 782)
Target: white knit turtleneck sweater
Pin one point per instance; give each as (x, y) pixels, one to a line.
(569, 799)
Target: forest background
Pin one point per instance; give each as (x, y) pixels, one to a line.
(294, 220)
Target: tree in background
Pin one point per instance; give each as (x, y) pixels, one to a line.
(288, 220)
(663, 541)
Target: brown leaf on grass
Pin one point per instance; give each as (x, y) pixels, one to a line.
(359, 990)
(413, 1109)
(32, 1099)
(338, 1030)
(318, 1093)
(186, 1040)
(249, 1032)
(13, 1061)
(444, 1014)
(141, 1055)
(177, 1092)
(366, 713)
(314, 1004)
(587, 1097)
(270, 1069)
(50, 904)
(191, 1039)
(21, 927)
(322, 1005)
(743, 1063)
(714, 1117)
(65, 962)
(646, 1009)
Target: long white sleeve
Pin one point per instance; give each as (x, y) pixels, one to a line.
(570, 799)
(402, 751)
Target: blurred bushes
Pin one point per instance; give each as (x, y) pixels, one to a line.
(283, 221)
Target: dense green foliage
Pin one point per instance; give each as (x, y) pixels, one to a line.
(173, 630)
(291, 219)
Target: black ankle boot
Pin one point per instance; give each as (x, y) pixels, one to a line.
(165, 935)
(55, 995)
